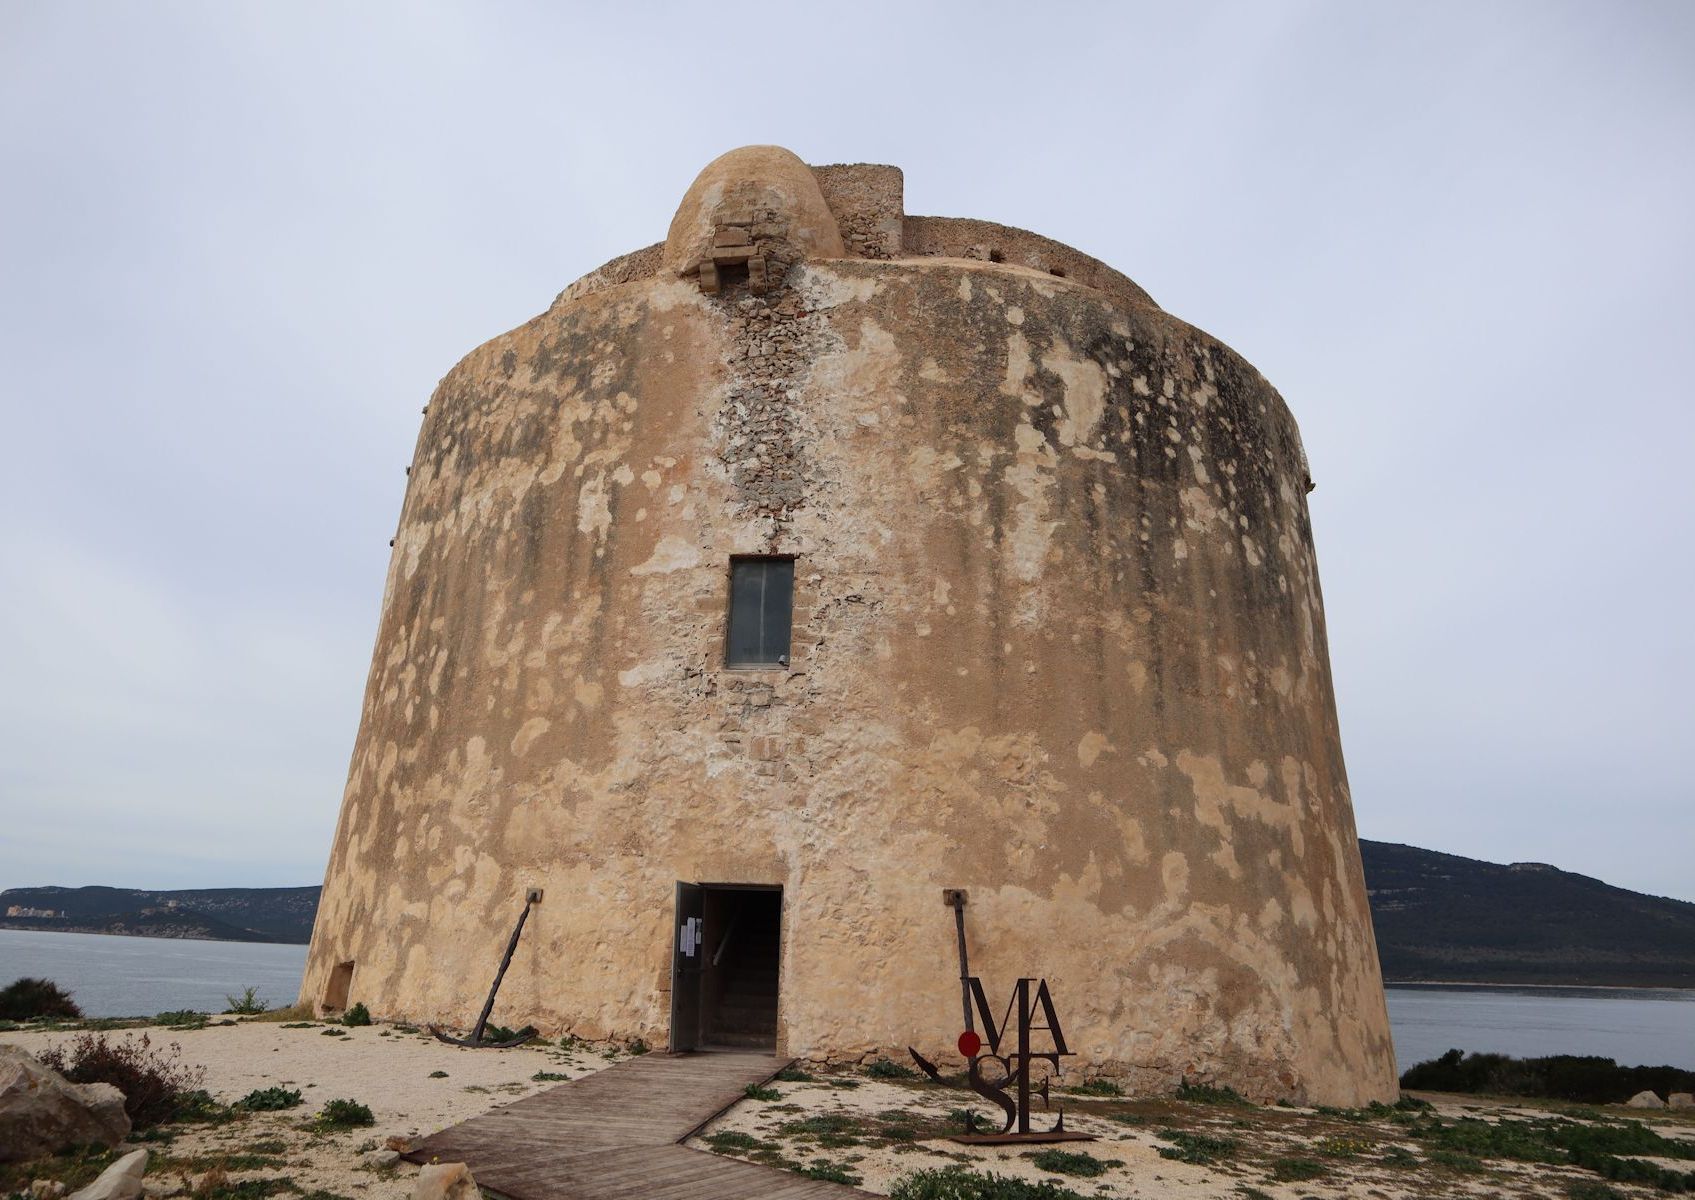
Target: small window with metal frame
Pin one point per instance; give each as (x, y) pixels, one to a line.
(762, 593)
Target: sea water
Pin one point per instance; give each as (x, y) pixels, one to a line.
(132, 976)
(113, 976)
(1636, 1026)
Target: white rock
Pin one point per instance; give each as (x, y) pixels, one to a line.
(120, 1181)
(446, 1181)
(46, 1189)
(1681, 1100)
(1645, 1100)
(42, 1112)
(380, 1158)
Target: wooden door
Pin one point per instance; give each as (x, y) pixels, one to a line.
(688, 956)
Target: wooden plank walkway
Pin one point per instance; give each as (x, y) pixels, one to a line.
(615, 1135)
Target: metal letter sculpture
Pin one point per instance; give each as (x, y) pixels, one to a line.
(1012, 1091)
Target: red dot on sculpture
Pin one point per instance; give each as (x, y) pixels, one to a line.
(969, 1044)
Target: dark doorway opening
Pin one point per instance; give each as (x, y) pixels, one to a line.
(724, 981)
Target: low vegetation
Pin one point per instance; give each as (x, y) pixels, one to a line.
(959, 1183)
(36, 1000)
(1204, 1093)
(344, 1114)
(155, 1082)
(1584, 1079)
(357, 1015)
(1098, 1087)
(884, 1068)
(1199, 1148)
(271, 1099)
(248, 1004)
(1072, 1162)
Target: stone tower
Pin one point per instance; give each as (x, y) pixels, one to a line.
(822, 558)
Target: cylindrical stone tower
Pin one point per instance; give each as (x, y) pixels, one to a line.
(820, 559)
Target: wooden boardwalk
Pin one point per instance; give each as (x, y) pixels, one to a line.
(615, 1135)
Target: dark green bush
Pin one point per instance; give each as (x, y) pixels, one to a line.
(1198, 1148)
(271, 1099)
(182, 1018)
(155, 1083)
(831, 1173)
(357, 1015)
(885, 1069)
(1294, 1170)
(345, 1114)
(731, 1139)
(793, 1075)
(958, 1183)
(35, 999)
(754, 1091)
(1585, 1079)
(1589, 1189)
(1203, 1093)
(1067, 1162)
(1098, 1087)
(247, 1004)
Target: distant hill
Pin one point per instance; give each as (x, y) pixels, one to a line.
(1443, 917)
(214, 914)
(1438, 917)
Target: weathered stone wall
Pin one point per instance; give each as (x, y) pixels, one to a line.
(1058, 640)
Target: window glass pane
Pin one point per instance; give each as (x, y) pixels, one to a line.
(777, 610)
(761, 596)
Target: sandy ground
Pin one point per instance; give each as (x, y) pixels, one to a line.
(873, 1129)
(389, 1071)
(823, 1122)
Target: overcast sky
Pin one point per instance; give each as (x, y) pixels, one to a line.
(240, 243)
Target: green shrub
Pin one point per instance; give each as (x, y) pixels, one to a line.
(271, 1099)
(793, 1075)
(1203, 1093)
(549, 1077)
(732, 1139)
(831, 1130)
(201, 1107)
(438, 1074)
(36, 999)
(155, 1083)
(1454, 1160)
(885, 1069)
(345, 1114)
(1589, 1189)
(1067, 1162)
(1586, 1079)
(247, 1004)
(1294, 1170)
(638, 1046)
(1343, 1147)
(217, 1185)
(830, 1173)
(958, 1183)
(182, 1018)
(1199, 1148)
(357, 1015)
(755, 1091)
(1098, 1087)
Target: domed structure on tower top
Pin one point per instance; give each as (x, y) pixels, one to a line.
(822, 567)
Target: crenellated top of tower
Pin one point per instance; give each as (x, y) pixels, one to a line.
(755, 212)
